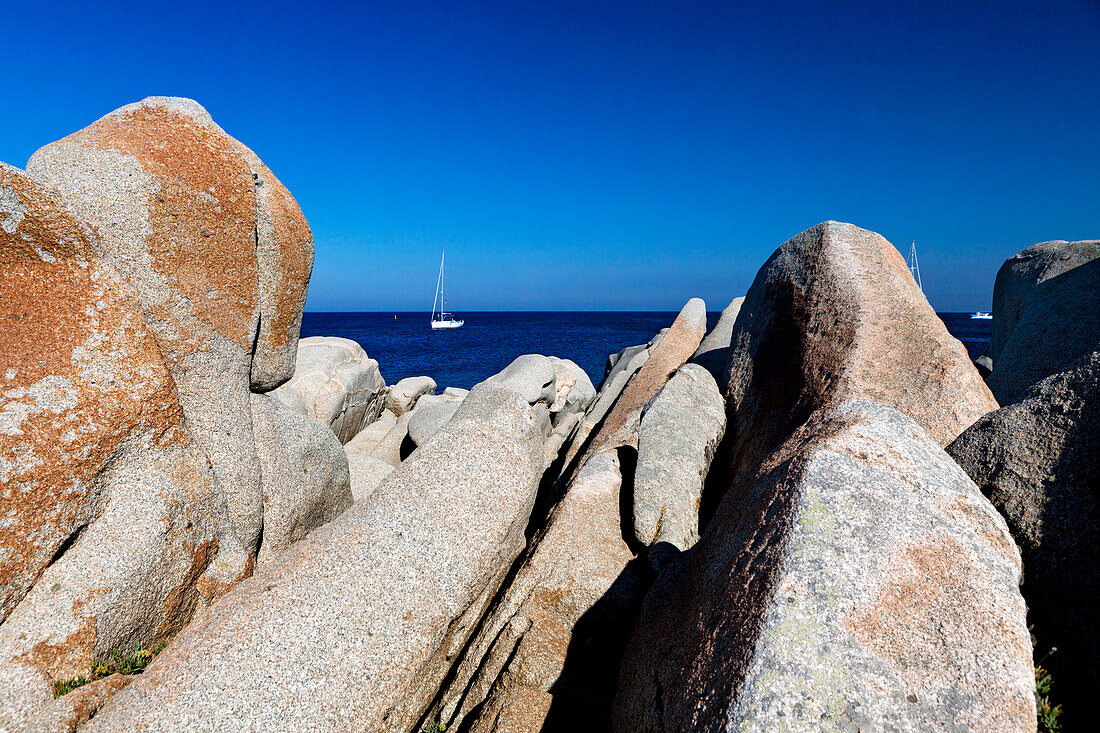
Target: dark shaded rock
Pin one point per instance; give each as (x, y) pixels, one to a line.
(835, 314)
(1045, 305)
(858, 581)
(1038, 461)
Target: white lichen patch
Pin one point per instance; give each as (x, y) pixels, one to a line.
(46, 255)
(55, 394)
(12, 211)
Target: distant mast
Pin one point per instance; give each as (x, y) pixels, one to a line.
(914, 268)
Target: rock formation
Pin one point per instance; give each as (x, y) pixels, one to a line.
(858, 581)
(547, 652)
(403, 395)
(304, 474)
(173, 201)
(337, 384)
(679, 432)
(113, 528)
(364, 615)
(834, 314)
(714, 352)
(1045, 303)
(1038, 461)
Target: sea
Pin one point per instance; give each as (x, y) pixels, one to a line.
(405, 345)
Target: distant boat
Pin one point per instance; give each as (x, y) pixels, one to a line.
(445, 319)
(981, 316)
(914, 268)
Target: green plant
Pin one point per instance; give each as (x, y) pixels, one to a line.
(1048, 714)
(62, 687)
(116, 662)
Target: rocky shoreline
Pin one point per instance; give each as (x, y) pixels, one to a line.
(818, 516)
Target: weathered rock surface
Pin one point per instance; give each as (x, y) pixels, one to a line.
(679, 432)
(547, 652)
(284, 253)
(367, 473)
(432, 413)
(305, 475)
(835, 314)
(621, 360)
(574, 389)
(174, 203)
(1045, 303)
(714, 351)
(1038, 461)
(367, 439)
(361, 618)
(113, 529)
(403, 395)
(859, 581)
(620, 425)
(338, 383)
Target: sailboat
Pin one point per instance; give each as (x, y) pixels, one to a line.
(445, 319)
(914, 268)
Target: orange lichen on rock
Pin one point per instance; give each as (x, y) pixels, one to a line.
(81, 375)
(200, 233)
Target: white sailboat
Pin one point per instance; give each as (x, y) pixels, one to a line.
(981, 316)
(445, 319)
(914, 268)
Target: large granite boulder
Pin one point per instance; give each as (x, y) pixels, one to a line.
(714, 350)
(359, 621)
(113, 528)
(679, 432)
(858, 581)
(305, 475)
(835, 314)
(1038, 461)
(574, 390)
(547, 653)
(284, 253)
(337, 383)
(173, 200)
(1045, 303)
(403, 395)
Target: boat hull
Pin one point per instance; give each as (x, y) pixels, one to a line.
(447, 324)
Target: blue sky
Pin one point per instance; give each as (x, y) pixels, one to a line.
(607, 155)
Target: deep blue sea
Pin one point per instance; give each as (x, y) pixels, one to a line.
(406, 346)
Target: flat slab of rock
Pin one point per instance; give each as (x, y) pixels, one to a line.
(1038, 461)
(679, 432)
(859, 581)
(430, 416)
(304, 475)
(359, 620)
(1045, 305)
(834, 314)
(339, 385)
(113, 528)
(533, 648)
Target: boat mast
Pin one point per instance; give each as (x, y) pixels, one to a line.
(438, 288)
(442, 291)
(914, 268)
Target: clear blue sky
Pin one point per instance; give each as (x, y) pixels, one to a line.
(597, 155)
